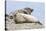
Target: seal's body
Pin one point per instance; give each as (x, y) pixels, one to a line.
(24, 16)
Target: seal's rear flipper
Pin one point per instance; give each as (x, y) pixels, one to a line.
(39, 23)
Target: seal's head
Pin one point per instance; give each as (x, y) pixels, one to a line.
(25, 10)
(28, 10)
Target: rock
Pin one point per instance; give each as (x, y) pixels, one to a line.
(10, 25)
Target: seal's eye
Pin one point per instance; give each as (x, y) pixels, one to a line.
(11, 17)
(25, 12)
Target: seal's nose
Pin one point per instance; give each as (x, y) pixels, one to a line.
(32, 10)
